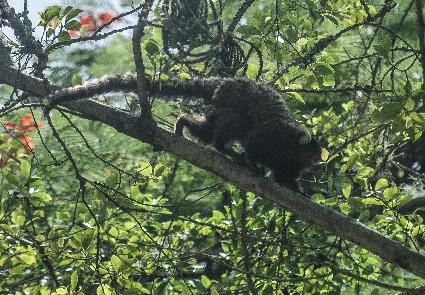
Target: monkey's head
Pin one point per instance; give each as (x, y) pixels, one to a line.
(309, 153)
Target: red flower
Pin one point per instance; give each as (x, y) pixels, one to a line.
(27, 124)
(11, 125)
(27, 142)
(105, 17)
(72, 33)
(89, 21)
(86, 19)
(26, 121)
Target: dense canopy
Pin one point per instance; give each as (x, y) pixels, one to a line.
(98, 195)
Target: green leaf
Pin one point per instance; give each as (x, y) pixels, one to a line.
(7, 229)
(417, 117)
(145, 168)
(205, 231)
(410, 104)
(157, 34)
(49, 13)
(44, 197)
(218, 215)
(383, 47)
(87, 238)
(151, 47)
(329, 81)
(164, 77)
(372, 261)
(248, 30)
(301, 42)
(28, 258)
(365, 171)
(73, 13)
(64, 36)
(50, 32)
(61, 291)
(40, 238)
(76, 80)
(252, 70)
(390, 110)
(17, 218)
(116, 262)
(380, 184)
(346, 191)
(372, 201)
(345, 208)
(104, 290)
(331, 18)
(161, 170)
(390, 192)
(25, 168)
(73, 25)
(408, 88)
(298, 97)
(54, 22)
(184, 75)
(415, 231)
(323, 69)
(205, 281)
(74, 281)
(66, 10)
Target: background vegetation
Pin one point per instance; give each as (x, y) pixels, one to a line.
(85, 209)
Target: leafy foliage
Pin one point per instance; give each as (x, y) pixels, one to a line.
(145, 222)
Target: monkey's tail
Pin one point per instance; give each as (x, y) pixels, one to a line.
(200, 127)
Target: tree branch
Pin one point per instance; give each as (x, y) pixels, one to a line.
(21, 31)
(421, 36)
(412, 205)
(138, 60)
(244, 7)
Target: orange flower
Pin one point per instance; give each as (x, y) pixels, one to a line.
(11, 125)
(89, 21)
(86, 19)
(27, 124)
(105, 17)
(72, 33)
(26, 121)
(27, 142)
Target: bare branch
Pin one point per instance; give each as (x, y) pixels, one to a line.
(412, 205)
(421, 36)
(138, 33)
(244, 7)
(21, 31)
(4, 51)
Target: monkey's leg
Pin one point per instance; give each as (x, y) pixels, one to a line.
(288, 179)
(199, 127)
(228, 127)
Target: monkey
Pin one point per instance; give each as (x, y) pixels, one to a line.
(255, 115)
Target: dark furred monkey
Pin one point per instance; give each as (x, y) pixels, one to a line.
(256, 116)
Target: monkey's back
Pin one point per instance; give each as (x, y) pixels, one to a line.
(253, 101)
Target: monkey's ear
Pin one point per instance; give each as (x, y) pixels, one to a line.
(304, 137)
